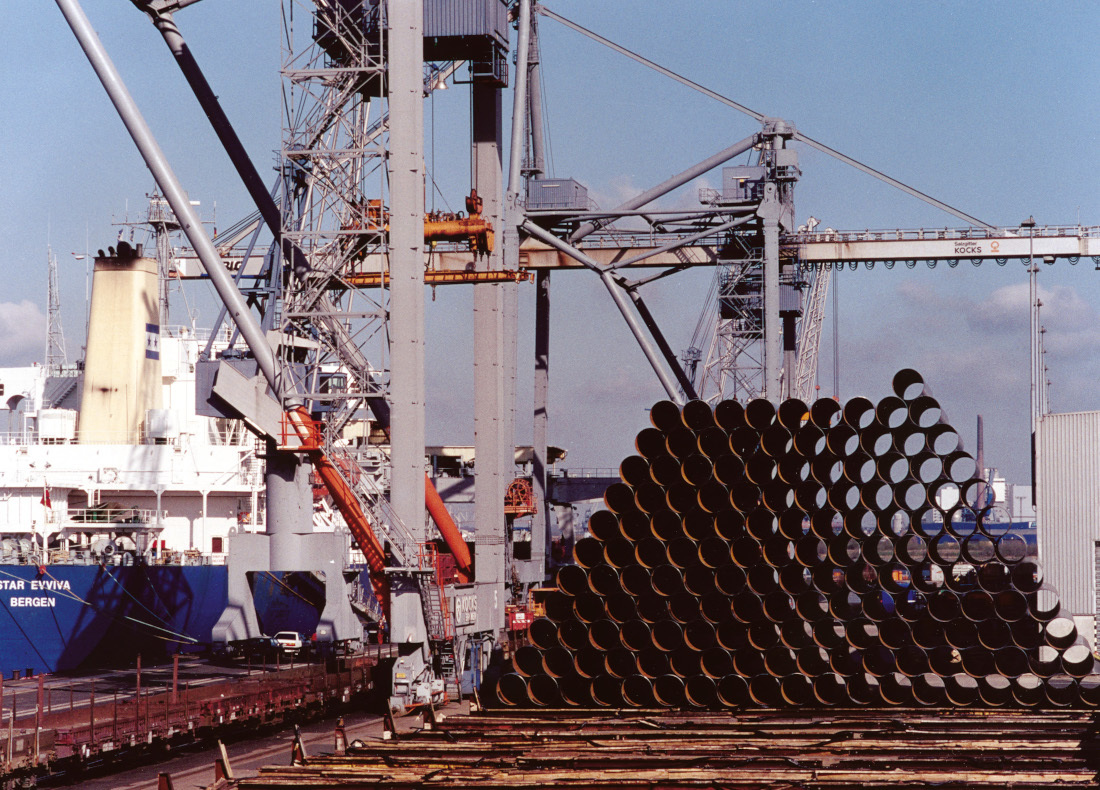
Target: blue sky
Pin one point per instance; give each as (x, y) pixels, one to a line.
(990, 107)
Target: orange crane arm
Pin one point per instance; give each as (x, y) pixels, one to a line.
(449, 530)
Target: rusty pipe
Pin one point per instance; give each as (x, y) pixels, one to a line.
(667, 635)
(764, 690)
(603, 525)
(588, 662)
(698, 415)
(653, 663)
(572, 579)
(684, 662)
(621, 607)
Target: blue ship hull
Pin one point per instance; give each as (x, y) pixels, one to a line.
(57, 618)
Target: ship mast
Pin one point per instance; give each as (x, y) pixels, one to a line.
(55, 337)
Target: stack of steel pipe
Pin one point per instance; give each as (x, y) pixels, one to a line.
(800, 555)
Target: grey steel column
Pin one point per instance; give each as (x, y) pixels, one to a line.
(769, 211)
(540, 521)
(493, 456)
(406, 164)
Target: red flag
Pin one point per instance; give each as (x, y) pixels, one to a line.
(45, 500)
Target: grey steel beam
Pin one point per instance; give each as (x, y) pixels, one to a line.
(672, 183)
(173, 192)
(534, 102)
(770, 211)
(662, 344)
(406, 172)
(621, 301)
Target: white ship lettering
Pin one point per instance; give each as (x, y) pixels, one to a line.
(40, 602)
(10, 584)
(51, 584)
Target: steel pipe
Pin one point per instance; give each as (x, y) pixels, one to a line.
(557, 662)
(685, 662)
(619, 498)
(730, 579)
(830, 689)
(760, 414)
(961, 689)
(699, 580)
(796, 689)
(588, 661)
(607, 691)
(668, 690)
(765, 690)
(701, 691)
(650, 443)
(559, 606)
(1028, 690)
(698, 415)
(666, 416)
(603, 525)
(978, 661)
(748, 663)
(576, 690)
(763, 635)
(652, 607)
(995, 690)
(825, 413)
(512, 690)
(664, 470)
(527, 661)
(812, 661)
(699, 635)
(912, 661)
(928, 690)
(795, 579)
(666, 525)
(684, 607)
(638, 691)
(588, 553)
(635, 635)
(589, 607)
(621, 607)
(733, 691)
(667, 635)
(604, 634)
(618, 553)
(543, 633)
(635, 579)
(730, 415)
(714, 443)
(573, 634)
(732, 636)
(716, 663)
(653, 663)
(666, 580)
(908, 384)
(634, 470)
(620, 663)
(1012, 662)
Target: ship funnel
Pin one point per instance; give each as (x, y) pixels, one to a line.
(122, 374)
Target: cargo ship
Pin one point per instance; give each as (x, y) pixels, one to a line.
(118, 500)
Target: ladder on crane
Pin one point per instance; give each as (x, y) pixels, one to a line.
(809, 341)
(438, 618)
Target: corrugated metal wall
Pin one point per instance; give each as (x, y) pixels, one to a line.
(1068, 505)
(466, 18)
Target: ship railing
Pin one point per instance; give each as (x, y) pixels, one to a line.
(233, 435)
(92, 516)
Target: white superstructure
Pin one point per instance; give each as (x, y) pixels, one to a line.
(180, 485)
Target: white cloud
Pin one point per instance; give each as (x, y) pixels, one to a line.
(22, 333)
